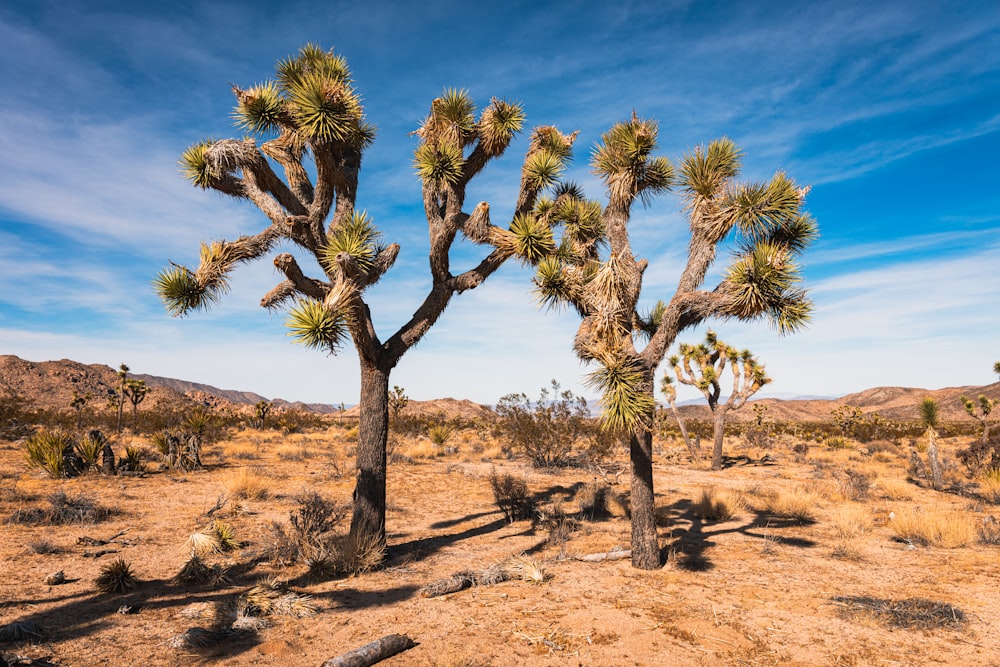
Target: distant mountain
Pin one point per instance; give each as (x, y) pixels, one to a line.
(50, 384)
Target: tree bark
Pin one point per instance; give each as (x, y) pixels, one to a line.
(368, 519)
(645, 546)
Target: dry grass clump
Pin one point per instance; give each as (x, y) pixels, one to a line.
(855, 485)
(21, 631)
(717, 505)
(798, 505)
(248, 485)
(559, 525)
(116, 577)
(850, 522)
(918, 613)
(421, 449)
(949, 529)
(894, 489)
(989, 486)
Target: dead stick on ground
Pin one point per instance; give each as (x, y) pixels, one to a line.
(611, 555)
(369, 654)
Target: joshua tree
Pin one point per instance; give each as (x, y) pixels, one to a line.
(398, 400)
(119, 398)
(78, 403)
(847, 417)
(136, 391)
(996, 367)
(703, 365)
(261, 410)
(670, 392)
(929, 415)
(980, 412)
(312, 112)
(768, 229)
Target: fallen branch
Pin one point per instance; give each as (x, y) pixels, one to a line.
(369, 654)
(465, 579)
(92, 542)
(610, 555)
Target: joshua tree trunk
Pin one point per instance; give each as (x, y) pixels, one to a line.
(718, 431)
(368, 520)
(932, 457)
(645, 545)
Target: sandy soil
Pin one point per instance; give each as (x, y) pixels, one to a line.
(754, 590)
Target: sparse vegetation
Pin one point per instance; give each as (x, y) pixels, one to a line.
(116, 577)
(947, 529)
(716, 505)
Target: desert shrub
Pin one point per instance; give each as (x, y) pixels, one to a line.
(89, 449)
(299, 421)
(800, 449)
(916, 613)
(511, 496)
(945, 529)
(838, 442)
(309, 537)
(716, 505)
(981, 455)
(989, 531)
(545, 430)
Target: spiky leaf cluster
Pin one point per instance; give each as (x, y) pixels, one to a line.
(764, 280)
(625, 401)
(624, 160)
(311, 324)
(182, 293)
(451, 129)
(358, 238)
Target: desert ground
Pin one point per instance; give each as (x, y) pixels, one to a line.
(827, 557)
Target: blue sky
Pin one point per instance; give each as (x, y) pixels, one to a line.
(889, 110)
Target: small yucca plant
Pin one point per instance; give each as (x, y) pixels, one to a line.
(116, 577)
(45, 450)
(225, 536)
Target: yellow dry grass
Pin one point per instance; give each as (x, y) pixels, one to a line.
(948, 529)
(247, 484)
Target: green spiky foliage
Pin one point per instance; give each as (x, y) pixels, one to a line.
(980, 410)
(758, 229)
(299, 164)
(704, 366)
(929, 412)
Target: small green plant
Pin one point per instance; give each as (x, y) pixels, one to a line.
(511, 496)
(225, 536)
(46, 450)
(89, 450)
(134, 459)
(116, 577)
(439, 434)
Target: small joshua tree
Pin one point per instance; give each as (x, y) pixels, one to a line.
(136, 391)
(980, 411)
(929, 415)
(261, 410)
(304, 177)
(670, 393)
(119, 398)
(847, 418)
(78, 404)
(703, 365)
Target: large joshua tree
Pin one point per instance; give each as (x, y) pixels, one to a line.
(312, 113)
(703, 366)
(763, 223)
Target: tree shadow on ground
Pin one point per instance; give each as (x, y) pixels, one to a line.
(693, 535)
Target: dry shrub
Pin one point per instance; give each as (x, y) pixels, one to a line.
(243, 451)
(559, 525)
(989, 531)
(855, 485)
(593, 499)
(717, 505)
(63, 509)
(511, 496)
(948, 529)
(248, 485)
